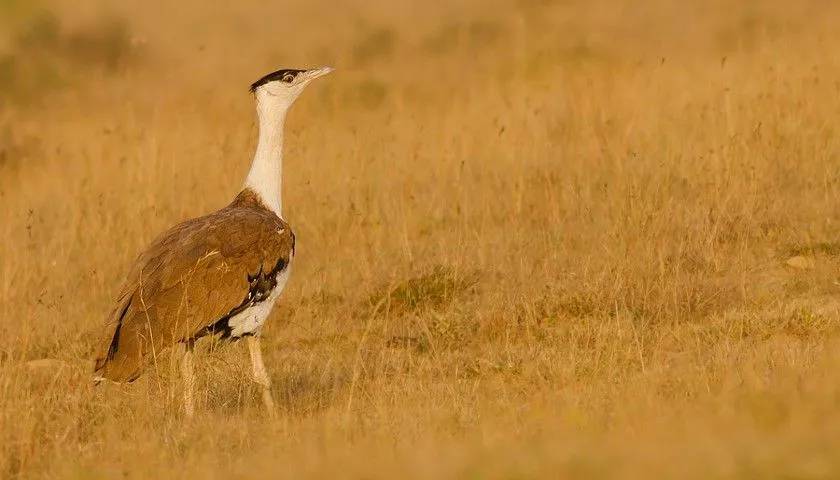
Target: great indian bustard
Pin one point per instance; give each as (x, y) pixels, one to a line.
(219, 274)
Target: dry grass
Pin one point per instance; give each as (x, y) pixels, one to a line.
(536, 239)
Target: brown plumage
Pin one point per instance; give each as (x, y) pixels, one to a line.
(218, 274)
(191, 279)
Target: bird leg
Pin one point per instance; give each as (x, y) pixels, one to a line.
(260, 374)
(188, 376)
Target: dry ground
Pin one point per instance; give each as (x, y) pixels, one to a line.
(571, 239)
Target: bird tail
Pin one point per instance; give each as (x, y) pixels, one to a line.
(118, 369)
(120, 358)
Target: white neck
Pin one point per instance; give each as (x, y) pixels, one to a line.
(266, 174)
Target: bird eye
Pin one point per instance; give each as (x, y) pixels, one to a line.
(287, 78)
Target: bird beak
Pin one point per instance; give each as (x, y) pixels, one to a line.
(318, 72)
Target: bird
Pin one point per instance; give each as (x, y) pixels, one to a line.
(216, 275)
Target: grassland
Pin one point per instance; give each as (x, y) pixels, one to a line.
(572, 239)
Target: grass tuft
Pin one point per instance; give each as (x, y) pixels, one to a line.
(433, 291)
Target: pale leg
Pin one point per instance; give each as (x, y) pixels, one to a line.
(260, 375)
(188, 376)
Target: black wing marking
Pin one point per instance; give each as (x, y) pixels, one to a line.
(260, 287)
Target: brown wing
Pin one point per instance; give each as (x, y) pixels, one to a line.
(189, 278)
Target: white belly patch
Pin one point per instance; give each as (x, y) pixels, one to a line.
(250, 320)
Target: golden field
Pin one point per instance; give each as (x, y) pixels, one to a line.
(536, 239)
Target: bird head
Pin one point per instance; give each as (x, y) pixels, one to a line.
(282, 87)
